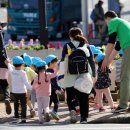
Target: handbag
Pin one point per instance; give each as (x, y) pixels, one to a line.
(84, 83)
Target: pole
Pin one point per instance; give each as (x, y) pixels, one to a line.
(84, 9)
(43, 23)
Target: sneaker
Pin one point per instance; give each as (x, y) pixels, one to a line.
(83, 121)
(8, 106)
(23, 121)
(55, 116)
(128, 110)
(73, 118)
(47, 117)
(15, 118)
(32, 113)
(119, 109)
(41, 121)
(113, 109)
(101, 109)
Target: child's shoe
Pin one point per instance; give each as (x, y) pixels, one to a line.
(101, 109)
(55, 116)
(47, 117)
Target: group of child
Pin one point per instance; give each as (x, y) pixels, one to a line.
(31, 77)
(35, 79)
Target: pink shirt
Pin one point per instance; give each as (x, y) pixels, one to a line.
(43, 89)
(3, 73)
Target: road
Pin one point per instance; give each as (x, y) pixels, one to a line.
(67, 127)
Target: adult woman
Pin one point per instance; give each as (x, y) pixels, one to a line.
(77, 40)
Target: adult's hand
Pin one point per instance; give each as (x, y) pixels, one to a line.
(105, 64)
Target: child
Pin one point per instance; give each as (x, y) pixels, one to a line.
(118, 69)
(42, 86)
(31, 75)
(51, 60)
(20, 85)
(102, 84)
(33, 67)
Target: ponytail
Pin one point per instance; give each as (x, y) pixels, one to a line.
(46, 80)
(39, 70)
(38, 77)
(80, 38)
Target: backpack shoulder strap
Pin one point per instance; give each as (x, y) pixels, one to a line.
(71, 45)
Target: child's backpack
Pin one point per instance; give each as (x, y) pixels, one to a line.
(77, 60)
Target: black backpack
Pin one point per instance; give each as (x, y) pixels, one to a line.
(77, 61)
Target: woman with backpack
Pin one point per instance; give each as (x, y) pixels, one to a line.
(76, 68)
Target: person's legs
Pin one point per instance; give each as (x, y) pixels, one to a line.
(33, 98)
(4, 87)
(23, 102)
(84, 105)
(40, 108)
(125, 79)
(16, 105)
(54, 98)
(100, 97)
(71, 96)
(46, 101)
(32, 111)
(107, 93)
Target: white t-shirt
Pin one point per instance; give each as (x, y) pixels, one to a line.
(19, 81)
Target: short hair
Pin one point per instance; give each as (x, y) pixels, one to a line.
(17, 65)
(111, 14)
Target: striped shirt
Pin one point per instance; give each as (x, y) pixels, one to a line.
(118, 69)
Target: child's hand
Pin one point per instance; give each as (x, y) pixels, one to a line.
(7, 61)
(58, 92)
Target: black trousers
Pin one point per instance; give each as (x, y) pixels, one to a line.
(20, 99)
(4, 88)
(54, 99)
(79, 97)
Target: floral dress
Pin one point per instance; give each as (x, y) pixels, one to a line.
(103, 79)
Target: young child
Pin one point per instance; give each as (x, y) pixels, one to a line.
(31, 75)
(20, 85)
(102, 84)
(42, 86)
(118, 70)
(33, 67)
(51, 60)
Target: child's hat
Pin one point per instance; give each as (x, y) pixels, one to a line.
(96, 51)
(100, 57)
(27, 59)
(120, 52)
(35, 60)
(49, 58)
(98, 47)
(17, 60)
(92, 47)
(40, 63)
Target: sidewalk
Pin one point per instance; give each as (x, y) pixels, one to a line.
(94, 116)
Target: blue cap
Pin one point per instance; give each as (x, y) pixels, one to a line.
(120, 52)
(98, 47)
(92, 47)
(27, 59)
(96, 51)
(17, 60)
(35, 60)
(49, 58)
(100, 57)
(40, 63)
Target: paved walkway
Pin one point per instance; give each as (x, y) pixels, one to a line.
(94, 116)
